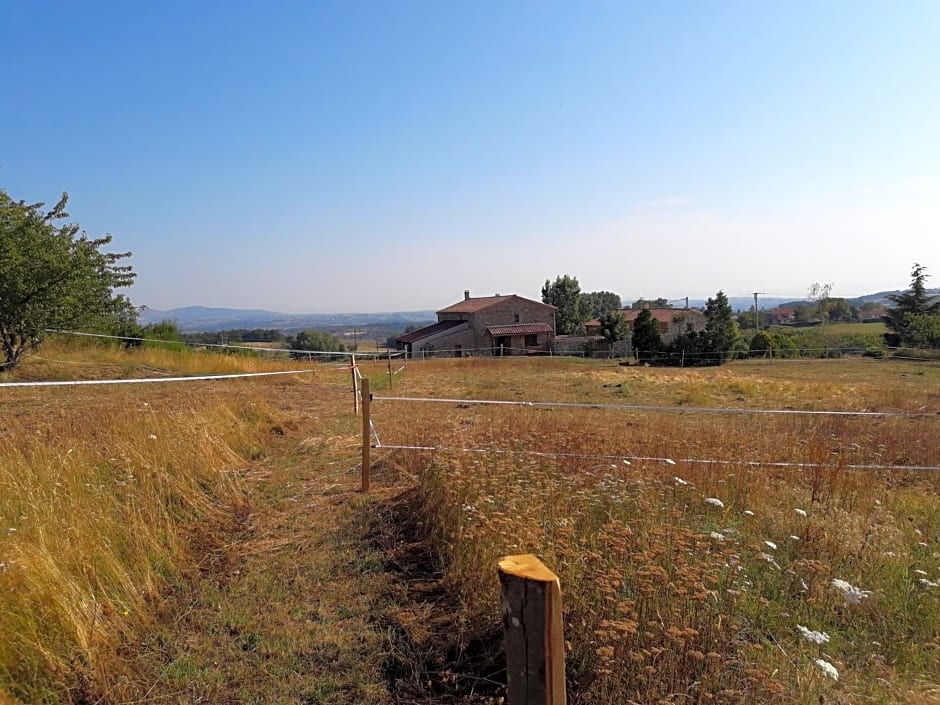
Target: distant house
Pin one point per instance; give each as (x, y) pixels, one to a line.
(781, 315)
(672, 321)
(487, 325)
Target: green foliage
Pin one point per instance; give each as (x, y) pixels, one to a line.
(614, 327)
(909, 310)
(922, 330)
(314, 341)
(646, 340)
(836, 309)
(237, 335)
(827, 341)
(650, 303)
(164, 334)
(762, 344)
(598, 303)
(722, 334)
(565, 295)
(55, 276)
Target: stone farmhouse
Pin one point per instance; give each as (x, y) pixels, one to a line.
(672, 321)
(485, 325)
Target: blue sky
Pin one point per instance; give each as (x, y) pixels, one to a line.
(353, 156)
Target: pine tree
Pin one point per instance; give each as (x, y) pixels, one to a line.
(908, 306)
(721, 331)
(646, 339)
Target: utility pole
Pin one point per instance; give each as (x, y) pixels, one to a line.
(756, 314)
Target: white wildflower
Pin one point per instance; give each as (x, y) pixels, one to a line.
(770, 559)
(813, 636)
(716, 536)
(801, 512)
(771, 545)
(469, 508)
(828, 669)
(890, 554)
(748, 512)
(679, 481)
(152, 437)
(852, 594)
(715, 502)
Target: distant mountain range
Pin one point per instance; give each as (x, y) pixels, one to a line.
(205, 319)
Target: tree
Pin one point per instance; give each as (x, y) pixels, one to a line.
(650, 303)
(762, 344)
(722, 334)
(597, 303)
(55, 276)
(646, 339)
(565, 295)
(818, 294)
(614, 327)
(315, 341)
(914, 302)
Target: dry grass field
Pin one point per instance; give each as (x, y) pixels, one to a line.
(696, 566)
(201, 542)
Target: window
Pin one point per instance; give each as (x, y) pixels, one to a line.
(515, 318)
(532, 340)
(689, 327)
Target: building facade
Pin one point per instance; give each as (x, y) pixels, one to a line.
(486, 325)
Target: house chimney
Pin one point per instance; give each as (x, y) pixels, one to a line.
(466, 294)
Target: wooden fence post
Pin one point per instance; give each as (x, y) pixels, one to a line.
(390, 369)
(366, 433)
(532, 625)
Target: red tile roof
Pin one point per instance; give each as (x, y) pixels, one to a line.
(666, 315)
(428, 330)
(520, 329)
(479, 303)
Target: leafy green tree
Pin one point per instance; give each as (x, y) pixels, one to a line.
(688, 349)
(646, 340)
(722, 334)
(819, 295)
(835, 309)
(921, 330)
(55, 276)
(314, 341)
(651, 303)
(762, 345)
(614, 327)
(565, 295)
(597, 303)
(916, 301)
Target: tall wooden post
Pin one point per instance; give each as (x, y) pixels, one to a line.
(366, 433)
(390, 370)
(355, 383)
(532, 625)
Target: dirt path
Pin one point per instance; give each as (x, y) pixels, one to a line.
(284, 611)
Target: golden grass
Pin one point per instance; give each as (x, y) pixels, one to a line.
(105, 493)
(671, 598)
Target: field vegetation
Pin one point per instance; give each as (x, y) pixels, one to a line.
(140, 528)
(694, 568)
(128, 513)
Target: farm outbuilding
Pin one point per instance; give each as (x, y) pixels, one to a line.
(485, 325)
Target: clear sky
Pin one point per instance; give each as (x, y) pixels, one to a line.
(350, 156)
